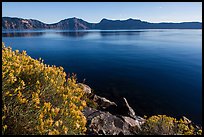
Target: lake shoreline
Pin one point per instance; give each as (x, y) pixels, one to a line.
(110, 112)
(157, 71)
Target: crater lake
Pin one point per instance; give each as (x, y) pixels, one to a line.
(159, 71)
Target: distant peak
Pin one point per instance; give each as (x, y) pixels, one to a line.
(73, 18)
(104, 19)
(131, 19)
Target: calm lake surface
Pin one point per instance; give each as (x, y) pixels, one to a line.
(158, 71)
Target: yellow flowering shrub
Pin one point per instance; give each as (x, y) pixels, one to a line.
(89, 100)
(164, 125)
(37, 98)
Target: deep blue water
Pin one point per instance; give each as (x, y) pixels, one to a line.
(158, 71)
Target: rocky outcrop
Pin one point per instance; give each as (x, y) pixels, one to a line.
(21, 24)
(132, 122)
(131, 112)
(102, 102)
(102, 122)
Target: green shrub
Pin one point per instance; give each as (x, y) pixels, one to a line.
(164, 125)
(37, 98)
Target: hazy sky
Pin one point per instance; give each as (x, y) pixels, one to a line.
(52, 12)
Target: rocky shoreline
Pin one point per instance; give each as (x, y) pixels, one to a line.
(102, 121)
(104, 118)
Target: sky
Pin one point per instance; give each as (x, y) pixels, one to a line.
(93, 12)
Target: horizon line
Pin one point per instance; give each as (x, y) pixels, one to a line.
(100, 20)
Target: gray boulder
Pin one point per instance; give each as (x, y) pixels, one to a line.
(85, 87)
(130, 112)
(137, 120)
(102, 102)
(104, 123)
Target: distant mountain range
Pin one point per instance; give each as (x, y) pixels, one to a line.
(10, 23)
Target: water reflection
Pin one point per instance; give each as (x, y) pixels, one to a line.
(70, 33)
(22, 34)
(116, 33)
(73, 34)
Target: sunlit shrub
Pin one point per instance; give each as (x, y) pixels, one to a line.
(164, 125)
(37, 98)
(89, 100)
